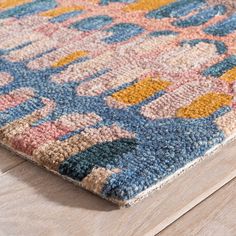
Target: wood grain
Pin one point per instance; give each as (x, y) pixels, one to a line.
(36, 202)
(8, 161)
(214, 216)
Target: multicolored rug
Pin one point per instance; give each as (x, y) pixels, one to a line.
(118, 96)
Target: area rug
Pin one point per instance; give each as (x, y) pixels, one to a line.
(117, 96)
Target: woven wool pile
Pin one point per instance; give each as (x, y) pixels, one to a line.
(118, 96)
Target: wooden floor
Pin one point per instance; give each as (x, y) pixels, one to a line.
(202, 201)
(214, 216)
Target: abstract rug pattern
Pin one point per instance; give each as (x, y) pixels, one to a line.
(117, 95)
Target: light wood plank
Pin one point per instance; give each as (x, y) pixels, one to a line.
(35, 202)
(214, 216)
(8, 161)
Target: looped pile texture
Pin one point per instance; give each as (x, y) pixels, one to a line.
(118, 96)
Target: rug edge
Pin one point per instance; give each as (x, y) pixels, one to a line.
(144, 194)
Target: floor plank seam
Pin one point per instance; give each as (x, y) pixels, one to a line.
(200, 202)
(4, 172)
